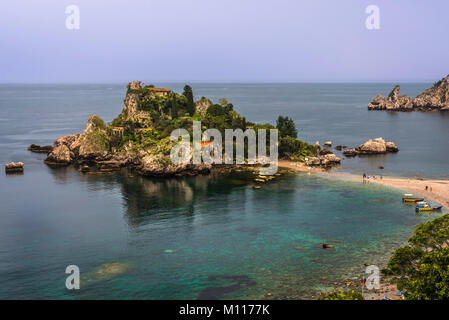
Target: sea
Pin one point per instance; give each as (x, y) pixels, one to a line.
(207, 237)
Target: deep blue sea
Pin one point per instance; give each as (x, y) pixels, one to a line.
(206, 237)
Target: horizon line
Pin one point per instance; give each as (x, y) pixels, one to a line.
(217, 82)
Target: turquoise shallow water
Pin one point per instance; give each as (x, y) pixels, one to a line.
(199, 237)
(204, 237)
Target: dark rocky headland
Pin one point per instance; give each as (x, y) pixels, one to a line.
(432, 99)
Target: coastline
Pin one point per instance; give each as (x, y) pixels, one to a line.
(437, 191)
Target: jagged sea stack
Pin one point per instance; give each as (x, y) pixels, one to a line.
(435, 98)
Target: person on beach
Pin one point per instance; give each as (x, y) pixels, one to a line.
(427, 188)
(364, 176)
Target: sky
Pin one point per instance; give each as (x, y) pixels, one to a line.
(223, 41)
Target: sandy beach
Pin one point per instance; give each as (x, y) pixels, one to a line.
(437, 190)
(437, 193)
(298, 166)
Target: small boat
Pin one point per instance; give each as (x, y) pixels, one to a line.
(412, 199)
(430, 208)
(424, 206)
(408, 197)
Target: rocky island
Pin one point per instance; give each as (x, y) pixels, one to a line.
(435, 98)
(372, 146)
(139, 137)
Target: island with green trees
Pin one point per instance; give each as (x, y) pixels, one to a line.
(139, 137)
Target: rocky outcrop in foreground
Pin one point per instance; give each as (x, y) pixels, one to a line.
(435, 98)
(372, 146)
(91, 150)
(329, 159)
(14, 167)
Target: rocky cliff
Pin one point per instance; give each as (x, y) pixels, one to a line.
(435, 98)
(132, 139)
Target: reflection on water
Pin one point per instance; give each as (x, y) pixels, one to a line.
(194, 237)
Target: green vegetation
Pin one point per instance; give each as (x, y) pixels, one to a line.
(157, 115)
(98, 138)
(222, 116)
(341, 295)
(190, 105)
(289, 145)
(98, 122)
(286, 127)
(421, 269)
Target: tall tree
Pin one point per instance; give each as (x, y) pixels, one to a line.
(188, 93)
(174, 107)
(286, 127)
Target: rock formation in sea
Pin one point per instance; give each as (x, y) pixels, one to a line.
(372, 146)
(134, 143)
(14, 167)
(324, 152)
(350, 152)
(329, 159)
(40, 149)
(139, 137)
(435, 98)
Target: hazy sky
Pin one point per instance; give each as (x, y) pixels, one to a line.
(226, 40)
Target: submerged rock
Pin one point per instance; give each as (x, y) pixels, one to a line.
(350, 152)
(38, 149)
(110, 270)
(324, 152)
